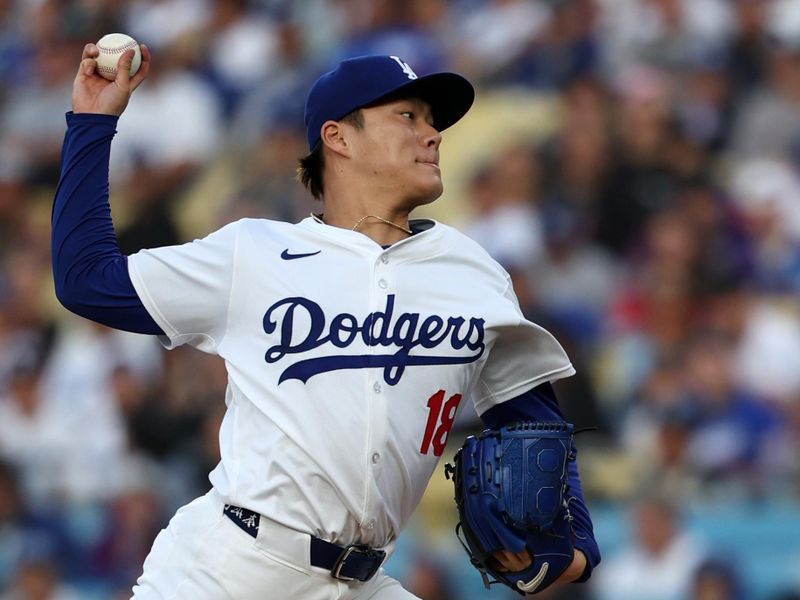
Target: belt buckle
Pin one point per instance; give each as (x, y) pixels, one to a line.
(336, 570)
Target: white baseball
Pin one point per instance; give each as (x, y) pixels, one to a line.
(111, 47)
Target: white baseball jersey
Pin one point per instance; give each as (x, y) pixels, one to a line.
(346, 361)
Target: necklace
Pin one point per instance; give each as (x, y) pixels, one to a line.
(382, 220)
(318, 219)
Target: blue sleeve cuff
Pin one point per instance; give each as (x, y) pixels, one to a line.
(91, 119)
(537, 404)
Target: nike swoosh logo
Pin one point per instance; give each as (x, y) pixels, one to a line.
(285, 255)
(534, 583)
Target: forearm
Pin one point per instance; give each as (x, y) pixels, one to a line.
(575, 570)
(89, 272)
(581, 524)
(540, 404)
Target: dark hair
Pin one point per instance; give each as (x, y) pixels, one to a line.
(309, 171)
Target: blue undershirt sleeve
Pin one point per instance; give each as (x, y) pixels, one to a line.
(540, 404)
(89, 271)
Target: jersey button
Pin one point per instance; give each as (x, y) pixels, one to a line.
(371, 524)
(382, 283)
(385, 258)
(376, 387)
(376, 457)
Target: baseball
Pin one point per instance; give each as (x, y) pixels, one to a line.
(111, 47)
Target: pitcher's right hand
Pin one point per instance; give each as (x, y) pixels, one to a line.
(92, 93)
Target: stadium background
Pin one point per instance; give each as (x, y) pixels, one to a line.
(635, 164)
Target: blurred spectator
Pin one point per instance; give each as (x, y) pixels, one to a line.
(750, 45)
(405, 28)
(716, 579)
(782, 456)
(24, 533)
(75, 389)
(496, 33)
(26, 332)
(155, 424)
(241, 45)
(163, 140)
(32, 124)
(428, 579)
(14, 50)
(651, 314)
(658, 563)
(39, 434)
(272, 105)
(705, 106)
(766, 194)
(657, 430)
(644, 177)
(161, 23)
(723, 261)
(31, 434)
(768, 120)
(37, 579)
(662, 32)
(766, 356)
(264, 179)
(578, 159)
(566, 49)
(136, 516)
(574, 282)
(505, 196)
(733, 427)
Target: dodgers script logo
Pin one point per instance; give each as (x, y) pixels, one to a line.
(302, 326)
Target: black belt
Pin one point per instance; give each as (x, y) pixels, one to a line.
(345, 563)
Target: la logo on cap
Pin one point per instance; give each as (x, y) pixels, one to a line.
(404, 65)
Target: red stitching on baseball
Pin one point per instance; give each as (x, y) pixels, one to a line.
(119, 50)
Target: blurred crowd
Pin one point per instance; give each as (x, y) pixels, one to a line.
(634, 164)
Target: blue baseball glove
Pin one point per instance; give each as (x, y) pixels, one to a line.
(511, 494)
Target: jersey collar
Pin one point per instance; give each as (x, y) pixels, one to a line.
(422, 228)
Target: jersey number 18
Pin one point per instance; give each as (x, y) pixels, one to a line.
(440, 420)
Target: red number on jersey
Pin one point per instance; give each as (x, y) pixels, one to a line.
(443, 417)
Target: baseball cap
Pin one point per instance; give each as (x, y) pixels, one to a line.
(362, 80)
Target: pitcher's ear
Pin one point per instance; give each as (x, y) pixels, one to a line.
(334, 136)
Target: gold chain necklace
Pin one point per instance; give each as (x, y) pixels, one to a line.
(382, 220)
(318, 219)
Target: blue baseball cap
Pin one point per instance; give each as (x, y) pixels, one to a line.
(360, 81)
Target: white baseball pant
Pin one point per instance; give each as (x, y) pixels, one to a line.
(203, 555)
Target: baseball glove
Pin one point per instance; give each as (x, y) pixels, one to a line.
(511, 494)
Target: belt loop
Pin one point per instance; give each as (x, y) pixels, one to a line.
(247, 520)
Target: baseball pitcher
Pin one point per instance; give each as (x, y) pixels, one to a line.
(351, 339)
